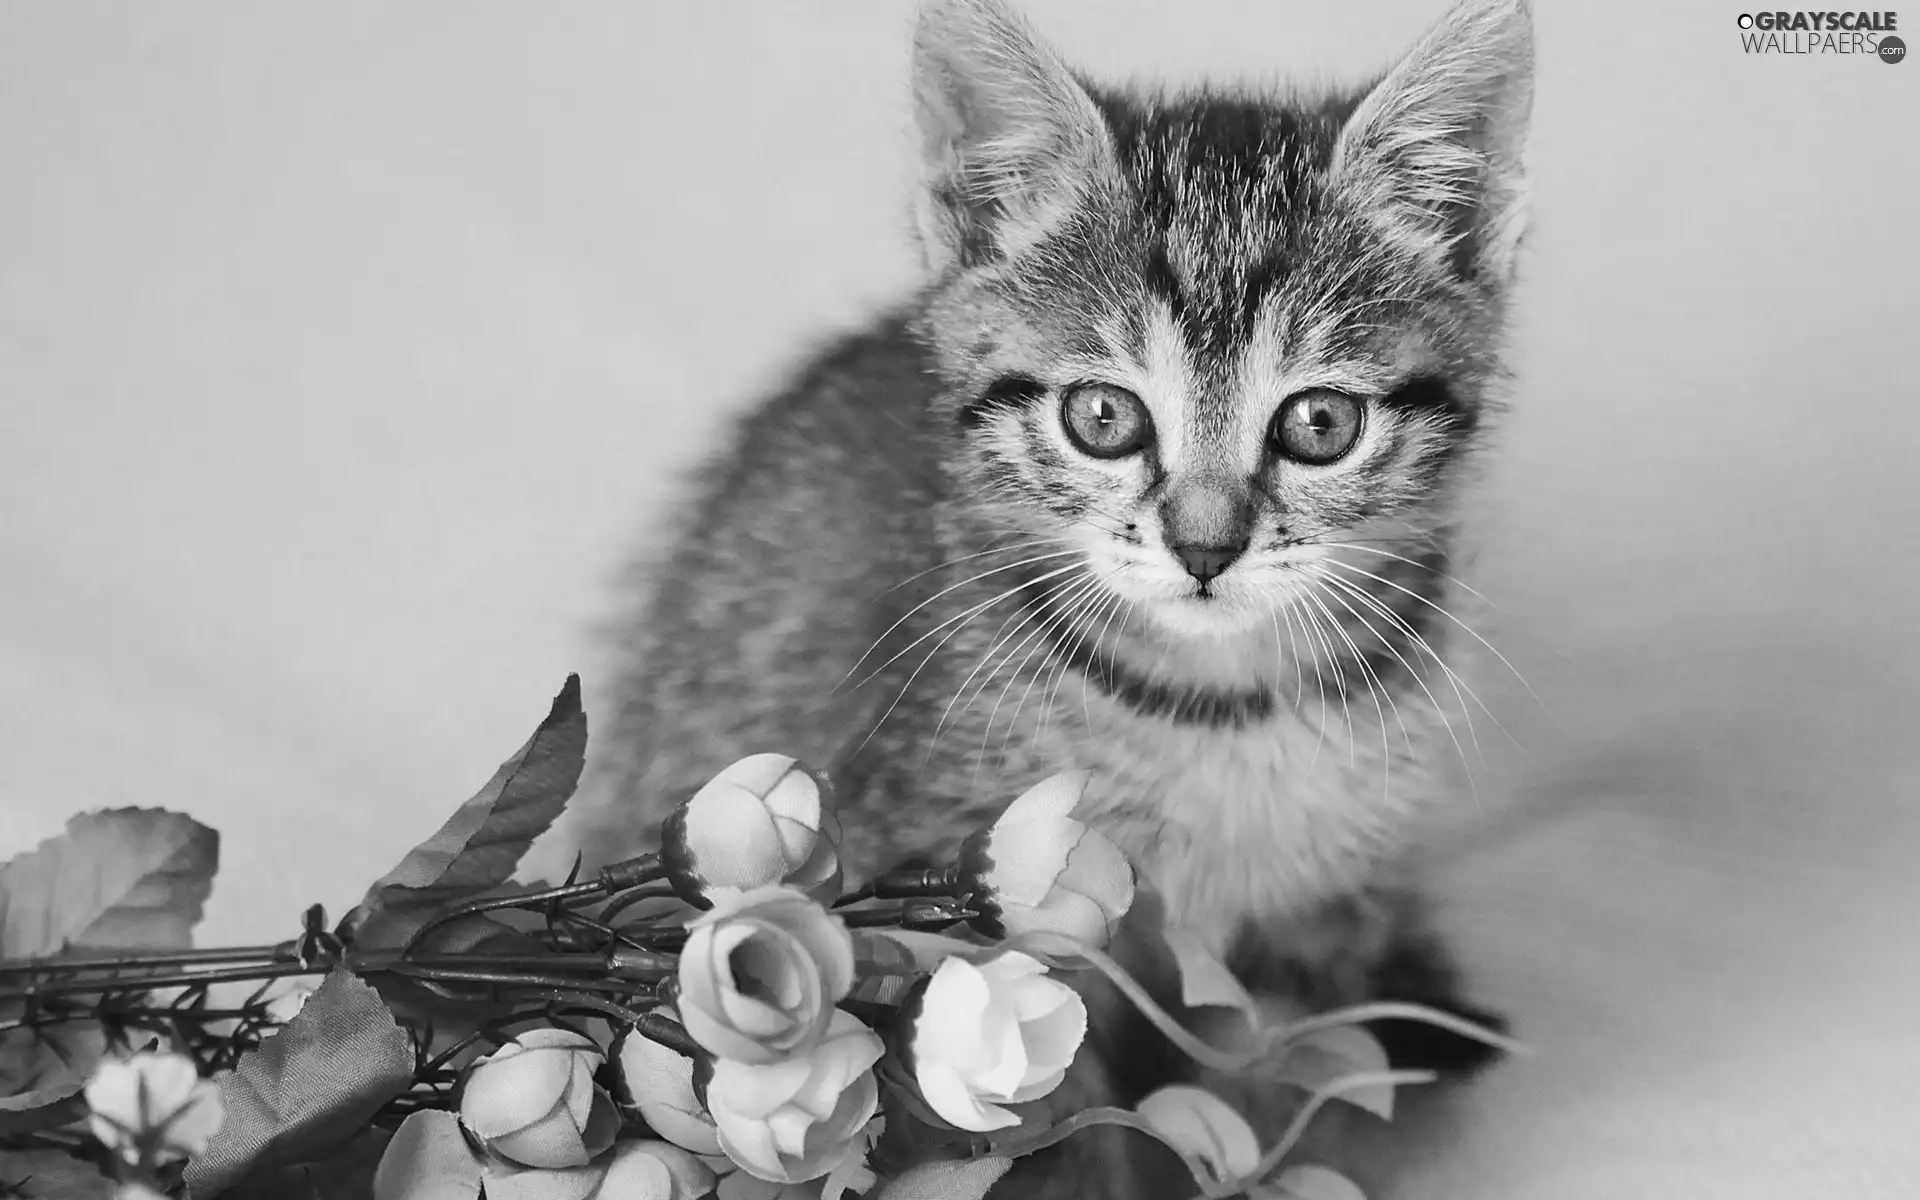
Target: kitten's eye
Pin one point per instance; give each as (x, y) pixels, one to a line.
(1105, 421)
(1316, 427)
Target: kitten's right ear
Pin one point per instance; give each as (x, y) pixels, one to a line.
(1009, 139)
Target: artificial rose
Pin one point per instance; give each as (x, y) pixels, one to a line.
(791, 1121)
(653, 1170)
(534, 1102)
(1037, 869)
(287, 1005)
(766, 819)
(153, 1107)
(993, 1033)
(761, 972)
(658, 1083)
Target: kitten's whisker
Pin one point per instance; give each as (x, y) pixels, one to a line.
(964, 616)
(1101, 605)
(1439, 709)
(954, 562)
(1062, 622)
(1376, 688)
(1322, 659)
(1086, 692)
(1411, 562)
(1037, 638)
(1332, 626)
(1022, 614)
(1470, 632)
(1461, 688)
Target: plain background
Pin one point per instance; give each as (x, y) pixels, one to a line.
(345, 350)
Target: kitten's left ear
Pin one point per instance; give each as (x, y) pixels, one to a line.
(1438, 146)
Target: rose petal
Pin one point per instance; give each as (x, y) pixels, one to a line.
(635, 1175)
(1050, 799)
(753, 1090)
(1063, 912)
(509, 1092)
(546, 1037)
(506, 1181)
(553, 1141)
(732, 838)
(661, 1083)
(1028, 860)
(749, 1143)
(1053, 1039)
(949, 1096)
(690, 1177)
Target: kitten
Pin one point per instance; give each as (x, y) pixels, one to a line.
(1157, 477)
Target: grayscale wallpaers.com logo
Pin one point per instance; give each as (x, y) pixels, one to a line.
(1869, 34)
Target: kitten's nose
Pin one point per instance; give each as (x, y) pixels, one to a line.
(1205, 562)
(1206, 522)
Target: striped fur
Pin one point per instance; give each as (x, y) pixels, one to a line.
(903, 567)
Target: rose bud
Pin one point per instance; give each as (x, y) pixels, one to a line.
(761, 972)
(1037, 869)
(534, 1102)
(793, 1121)
(993, 1033)
(153, 1108)
(657, 1082)
(766, 819)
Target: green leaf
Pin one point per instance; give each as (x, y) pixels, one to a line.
(966, 1179)
(1205, 981)
(127, 877)
(479, 847)
(346, 1174)
(308, 1088)
(1201, 1124)
(50, 1175)
(428, 1159)
(51, 1062)
(1309, 1182)
(1334, 1053)
(42, 1108)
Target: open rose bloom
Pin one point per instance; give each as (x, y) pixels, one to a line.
(1000, 1032)
(761, 972)
(795, 1120)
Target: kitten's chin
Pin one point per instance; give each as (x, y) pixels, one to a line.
(1211, 618)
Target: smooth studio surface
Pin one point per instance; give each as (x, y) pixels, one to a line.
(345, 351)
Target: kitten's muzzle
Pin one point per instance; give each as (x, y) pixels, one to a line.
(1207, 523)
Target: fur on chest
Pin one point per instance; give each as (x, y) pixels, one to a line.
(1265, 821)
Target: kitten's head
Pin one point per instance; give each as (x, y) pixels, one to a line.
(1207, 338)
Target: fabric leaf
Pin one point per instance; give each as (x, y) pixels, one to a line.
(344, 1174)
(1329, 1054)
(428, 1159)
(481, 844)
(1204, 1126)
(125, 877)
(42, 1108)
(54, 1061)
(309, 1087)
(1205, 981)
(51, 1175)
(964, 1179)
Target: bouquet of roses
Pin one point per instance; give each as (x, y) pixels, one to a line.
(722, 1017)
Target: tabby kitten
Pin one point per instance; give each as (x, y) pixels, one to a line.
(1157, 477)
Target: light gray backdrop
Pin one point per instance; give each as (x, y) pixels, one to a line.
(343, 347)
